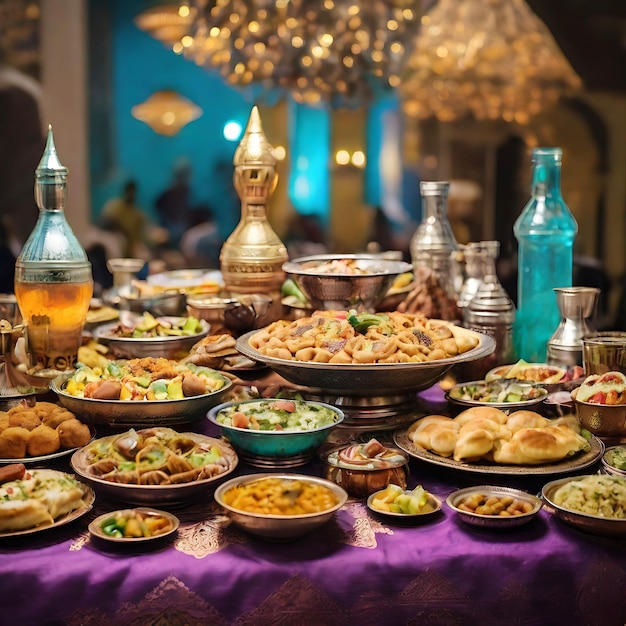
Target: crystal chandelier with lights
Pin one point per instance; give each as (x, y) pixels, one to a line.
(337, 51)
(492, 59)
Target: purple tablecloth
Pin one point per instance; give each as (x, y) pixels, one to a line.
(355, 570)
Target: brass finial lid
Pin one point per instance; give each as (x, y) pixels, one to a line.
(254, 148)
(255, 173)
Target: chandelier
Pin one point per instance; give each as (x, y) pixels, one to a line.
(166, 112)
(493, 59)
(337, 51)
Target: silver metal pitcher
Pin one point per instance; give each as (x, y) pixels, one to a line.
(577, 306)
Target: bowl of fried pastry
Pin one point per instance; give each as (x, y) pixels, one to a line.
(345, 281)
(350, 353)
(153, 466)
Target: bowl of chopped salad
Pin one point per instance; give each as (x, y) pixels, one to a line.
(502, 394)
(276, 432)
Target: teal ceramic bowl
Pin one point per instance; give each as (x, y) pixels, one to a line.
(274, 448)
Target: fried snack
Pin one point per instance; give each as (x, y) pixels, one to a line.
(342, 337)
(4, 420)
(25, 419)
(526, 419)
(13, 442)
(41, 422)
(473, 445)
(73, 433)
(57, 417)
(436, 432)
(43, 440)
(45, 408)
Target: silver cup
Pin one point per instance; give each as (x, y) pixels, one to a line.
(604, 352)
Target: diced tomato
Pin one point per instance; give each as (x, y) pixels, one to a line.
(240, 420)
(598, 398)
(284, 405)
(278, 427)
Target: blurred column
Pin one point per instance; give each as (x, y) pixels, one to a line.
(64, 59)
(350, 218)
(309, 145)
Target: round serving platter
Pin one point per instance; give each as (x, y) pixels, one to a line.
(573, 463)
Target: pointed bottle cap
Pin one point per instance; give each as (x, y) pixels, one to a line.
(50, 178)
(49, 165)
(254, 148)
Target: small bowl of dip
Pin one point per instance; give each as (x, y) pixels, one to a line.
(364, 468)
(614, 460)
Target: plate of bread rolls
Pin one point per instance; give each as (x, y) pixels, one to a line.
(489, 440)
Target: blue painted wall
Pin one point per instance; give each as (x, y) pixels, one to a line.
(140, 66)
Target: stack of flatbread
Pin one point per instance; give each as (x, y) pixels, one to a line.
(486, 433)
(39, 498)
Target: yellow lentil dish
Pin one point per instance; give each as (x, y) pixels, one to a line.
(277, 496)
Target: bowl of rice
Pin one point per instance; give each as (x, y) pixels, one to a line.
(595, 503)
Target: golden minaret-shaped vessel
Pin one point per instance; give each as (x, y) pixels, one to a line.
(251, 258)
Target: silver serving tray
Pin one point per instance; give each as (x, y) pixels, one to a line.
(368, 379)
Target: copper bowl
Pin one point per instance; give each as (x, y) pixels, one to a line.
(361, 482)
(602, 420)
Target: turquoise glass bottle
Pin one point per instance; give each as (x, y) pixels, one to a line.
(545, 233)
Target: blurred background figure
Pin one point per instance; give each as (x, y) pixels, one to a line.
(173, 206)
(385, 238)
(201, 242)
(7, 261)
(305, 236)
(137, 235)
(21, 147)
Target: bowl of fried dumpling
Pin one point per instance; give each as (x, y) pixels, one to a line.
(154, 466)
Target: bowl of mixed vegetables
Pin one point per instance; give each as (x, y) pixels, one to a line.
(502, 394)
(276, 432)
(135, 336)
(141, 392)
(137, 525)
